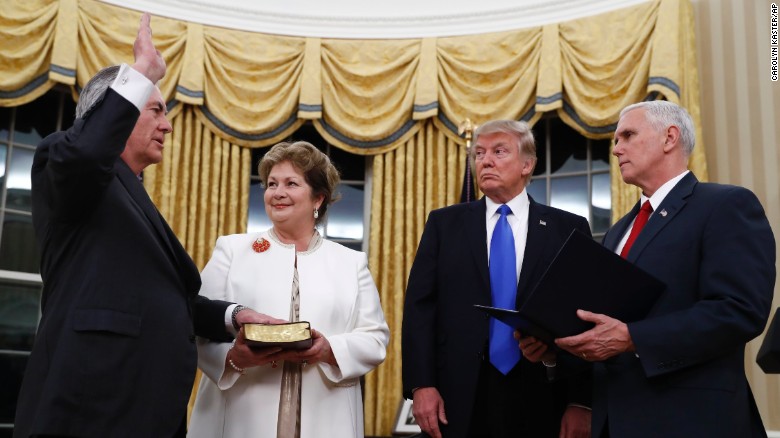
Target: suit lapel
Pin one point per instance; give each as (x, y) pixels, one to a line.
(616, 233)
(672, 204)
(139, 196)
(476, 237)
(536, 240)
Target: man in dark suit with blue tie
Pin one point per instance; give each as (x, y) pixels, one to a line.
(114, 354)
(680, 372)
(463, 370)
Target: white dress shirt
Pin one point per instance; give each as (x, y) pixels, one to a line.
(518, 221)
(655, 202)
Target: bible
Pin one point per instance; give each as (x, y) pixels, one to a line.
(292, 335)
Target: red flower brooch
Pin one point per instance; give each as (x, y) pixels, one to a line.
(261, 245)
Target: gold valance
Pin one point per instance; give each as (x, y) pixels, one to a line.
(365, 96)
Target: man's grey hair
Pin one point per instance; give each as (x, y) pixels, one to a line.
(520, 130)
(662, 114)
(95, 89)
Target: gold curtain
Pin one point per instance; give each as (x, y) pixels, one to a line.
(367, 91)
(202, 185)
(27, 32)
(201, 188)
(422, 174)
(487, 84)
(398, 100)
(366, 96)
(673, 73)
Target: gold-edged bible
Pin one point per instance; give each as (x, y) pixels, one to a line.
(292, 335)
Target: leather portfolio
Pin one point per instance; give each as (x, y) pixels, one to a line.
(583, 275)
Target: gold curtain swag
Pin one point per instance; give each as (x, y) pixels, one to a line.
(399, 101)
(367, 96)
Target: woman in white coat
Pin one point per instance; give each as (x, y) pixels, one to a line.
(291, 273)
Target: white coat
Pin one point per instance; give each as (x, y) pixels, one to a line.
(337, 296)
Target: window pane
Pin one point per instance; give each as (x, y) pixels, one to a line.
(258, 220)
(18, 314)
(357, 246)
(257, 155)
(307, 132)
(540, 136)
(602, 203)
(570, 194)
(351, 167)
(36, 119)
(5, 121)
(345, 217)
(538, 190)
(18, 251)
(567, 147)
(3, 155)
(19, 182)
(600, 154)
(68, 111)
(11, 372)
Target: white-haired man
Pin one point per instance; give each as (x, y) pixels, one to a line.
(680, 372)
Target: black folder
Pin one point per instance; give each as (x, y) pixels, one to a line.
(583, 275)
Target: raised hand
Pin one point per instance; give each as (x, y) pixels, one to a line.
(148, 60)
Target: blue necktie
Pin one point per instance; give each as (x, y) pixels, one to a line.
(504, 352)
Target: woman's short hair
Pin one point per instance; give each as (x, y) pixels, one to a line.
(316, 167)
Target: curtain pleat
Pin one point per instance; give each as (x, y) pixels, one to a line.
(366, 96)
(483, 85)
(604, 67)
(422, 174)
(202, 185)
(26, 37)
(201, 188)
(368, 87)
(673, 39)
(252, 84)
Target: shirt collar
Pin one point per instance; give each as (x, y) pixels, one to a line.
(660, 194)
(518, 204)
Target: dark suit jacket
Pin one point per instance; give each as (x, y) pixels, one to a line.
(713, 247)
(444, 336)
(114, 355)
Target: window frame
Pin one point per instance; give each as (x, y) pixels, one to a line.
(547, 176)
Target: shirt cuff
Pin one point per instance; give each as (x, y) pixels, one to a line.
(577, 405)
(229, 320)
(133, 86)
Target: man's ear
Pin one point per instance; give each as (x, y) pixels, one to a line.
(528, 166)
(672, 138)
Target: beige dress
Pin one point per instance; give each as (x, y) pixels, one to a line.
(289, 421)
